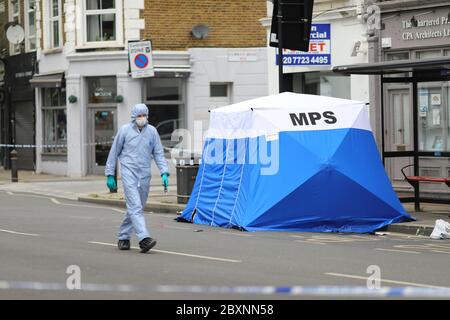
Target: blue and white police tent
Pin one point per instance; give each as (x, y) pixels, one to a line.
(293, 162)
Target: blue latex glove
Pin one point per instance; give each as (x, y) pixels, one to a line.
(111, 182)
(165, 180)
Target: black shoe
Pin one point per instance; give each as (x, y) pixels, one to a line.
(123, 244)
(146, 244)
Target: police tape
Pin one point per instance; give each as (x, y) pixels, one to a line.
(320, 291)
(37, 146)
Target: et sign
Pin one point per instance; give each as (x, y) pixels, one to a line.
(319, 53)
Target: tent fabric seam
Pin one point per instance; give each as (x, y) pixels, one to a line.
(221, 182)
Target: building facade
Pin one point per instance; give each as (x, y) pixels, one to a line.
(413, 30)
(83, 88)
(338, 36)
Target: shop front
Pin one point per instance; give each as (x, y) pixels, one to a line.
(413, 105)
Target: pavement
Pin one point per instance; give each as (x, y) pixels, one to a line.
(64, 249)
(92, 189)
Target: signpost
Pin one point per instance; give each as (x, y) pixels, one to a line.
(140, 57)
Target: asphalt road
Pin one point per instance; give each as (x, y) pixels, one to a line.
(44, 242)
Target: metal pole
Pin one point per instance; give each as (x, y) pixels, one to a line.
(416, 143)
(280, 48)
(14, 176)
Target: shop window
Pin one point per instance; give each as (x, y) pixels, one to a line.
(433, 131)
(166, 89)
(165, 100)
(397, 56)
(428, 54)
(322, 83)
(430, 172)
(54, 120)
(102, 89)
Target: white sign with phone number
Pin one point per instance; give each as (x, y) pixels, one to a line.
(319, 53)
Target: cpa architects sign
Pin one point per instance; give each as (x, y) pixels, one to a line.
(424, 24)
(412, 29)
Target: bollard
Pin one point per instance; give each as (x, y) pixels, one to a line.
(14, 176)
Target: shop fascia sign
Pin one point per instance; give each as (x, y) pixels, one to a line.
(415, 28)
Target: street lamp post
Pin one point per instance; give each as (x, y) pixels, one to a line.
(280, 48)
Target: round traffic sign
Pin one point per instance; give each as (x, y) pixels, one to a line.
(141, 61)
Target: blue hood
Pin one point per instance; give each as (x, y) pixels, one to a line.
(138, 109)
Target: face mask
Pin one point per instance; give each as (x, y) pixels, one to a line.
(141, 122)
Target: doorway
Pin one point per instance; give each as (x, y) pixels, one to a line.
(102, 127)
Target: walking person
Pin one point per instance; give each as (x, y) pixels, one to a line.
(135, 145)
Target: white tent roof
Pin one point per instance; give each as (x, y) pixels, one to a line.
(286, 112)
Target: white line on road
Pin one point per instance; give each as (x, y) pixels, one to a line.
(311, 242)
(393, 250)
(383, 280)
(55, 201)
(176, 253)
(20, 233)
(235, 234)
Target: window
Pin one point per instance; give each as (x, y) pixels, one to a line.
(102, 89)
(218, 90)
(165, 99)
(101, 20)
(322, 83)
(54, 120)
(14, 15)
(428, 54)
(30, 23)
(54, 24)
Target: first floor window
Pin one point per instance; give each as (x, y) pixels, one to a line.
(55, 23)
(30, 18)
(101, 20)
(14, 15)
(54, 121)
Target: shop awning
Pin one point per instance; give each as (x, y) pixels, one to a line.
(441, 64)
(54, 80)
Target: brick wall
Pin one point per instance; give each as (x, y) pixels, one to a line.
(233, 23)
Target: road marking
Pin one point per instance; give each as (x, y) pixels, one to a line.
(437, 251)
(311, 242)
(176, 253)
(20, 233)
(235, 234)
(393, 250)
(384, 280)
(172, 227)
(82, 218)
(55, 201)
